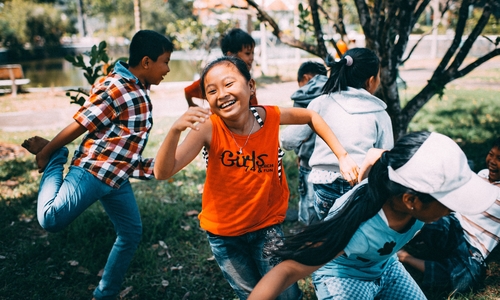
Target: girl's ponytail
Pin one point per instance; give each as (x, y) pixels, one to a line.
(321, 242)
(352, 70)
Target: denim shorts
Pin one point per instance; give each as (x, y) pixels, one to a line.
(245, 259)
(325, 195)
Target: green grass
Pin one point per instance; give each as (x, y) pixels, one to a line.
(38, 265)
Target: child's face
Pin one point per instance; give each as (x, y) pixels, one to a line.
(227, 91)
(493, 164)
(158, 69)
(246, 55)
(429, 212)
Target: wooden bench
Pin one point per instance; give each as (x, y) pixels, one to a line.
(12, 75)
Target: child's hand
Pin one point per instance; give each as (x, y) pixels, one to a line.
(42, 161)
(349, 169)
(191, 118)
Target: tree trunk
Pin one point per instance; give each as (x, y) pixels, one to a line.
(137, 15)
(387, 26)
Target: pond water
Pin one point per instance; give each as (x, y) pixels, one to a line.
(57, 72)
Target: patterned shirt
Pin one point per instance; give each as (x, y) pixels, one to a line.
(118, 116)
(483, 230)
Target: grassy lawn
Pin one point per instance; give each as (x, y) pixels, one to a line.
(174, 260)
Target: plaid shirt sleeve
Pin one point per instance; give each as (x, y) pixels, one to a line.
(144, 170)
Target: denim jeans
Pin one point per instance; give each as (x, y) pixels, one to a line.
(394, 284)
(245, 259)
(307, 213)
(452, 264)
(326, 194)
(62, 199)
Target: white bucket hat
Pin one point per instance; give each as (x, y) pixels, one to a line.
(439, 168)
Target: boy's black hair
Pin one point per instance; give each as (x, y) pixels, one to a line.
(234, 41)
(496, 143)
(148, 43)
(311, 67)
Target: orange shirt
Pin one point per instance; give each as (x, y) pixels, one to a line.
(194, 91)
(244, 193)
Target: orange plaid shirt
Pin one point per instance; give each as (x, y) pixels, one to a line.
(118, 116)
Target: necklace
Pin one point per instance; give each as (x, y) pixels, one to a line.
(248, 137)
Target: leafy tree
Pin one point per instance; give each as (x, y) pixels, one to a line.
(99, 65)
(190, 35)
(387, 26)
(40, 25)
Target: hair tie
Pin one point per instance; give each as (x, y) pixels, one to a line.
(349, 60)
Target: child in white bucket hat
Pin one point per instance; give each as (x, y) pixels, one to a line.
(353, 252)
(457, 245)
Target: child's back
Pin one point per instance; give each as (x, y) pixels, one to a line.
(311, 78)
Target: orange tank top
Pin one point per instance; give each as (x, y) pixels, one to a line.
(244, 192)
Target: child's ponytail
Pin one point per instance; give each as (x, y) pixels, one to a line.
(352, 70)
(321, 242)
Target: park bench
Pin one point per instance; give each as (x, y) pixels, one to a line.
(12, 76)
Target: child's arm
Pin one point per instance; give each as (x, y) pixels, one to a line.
(66, 136)
(172, 157)
(295, 135)
(294, 115)
(279, 279)
(371, 157)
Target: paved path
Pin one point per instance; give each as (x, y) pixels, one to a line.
(168, 99)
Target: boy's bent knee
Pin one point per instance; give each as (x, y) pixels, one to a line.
(50, 226)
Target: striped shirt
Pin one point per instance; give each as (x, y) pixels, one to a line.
(118, 117)
(483, 230)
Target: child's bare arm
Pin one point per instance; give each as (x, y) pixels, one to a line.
(66, 136)
(172, 157)
(348, 168)
(279, 279)
(371, 157)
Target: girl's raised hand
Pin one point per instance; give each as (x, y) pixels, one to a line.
(349, 169)
(191, 118)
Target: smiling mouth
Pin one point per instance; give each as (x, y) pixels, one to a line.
(227, 104)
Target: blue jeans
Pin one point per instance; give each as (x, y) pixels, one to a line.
(452, 264)
(61, 200)
(326, 194)
(245, 259)
(394, 284)
(307, 213)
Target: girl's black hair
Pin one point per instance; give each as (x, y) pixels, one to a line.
(321, 242)
(148, 43)
(365, 64)
(237, 62)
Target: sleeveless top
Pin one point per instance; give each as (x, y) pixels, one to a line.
(244, 192)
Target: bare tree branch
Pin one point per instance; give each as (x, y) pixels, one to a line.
(287, 39)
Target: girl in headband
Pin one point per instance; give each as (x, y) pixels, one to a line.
(353, 252)
(358, 119)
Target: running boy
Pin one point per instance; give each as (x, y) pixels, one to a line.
(235, 43)
(117, 118)
(311, 78)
